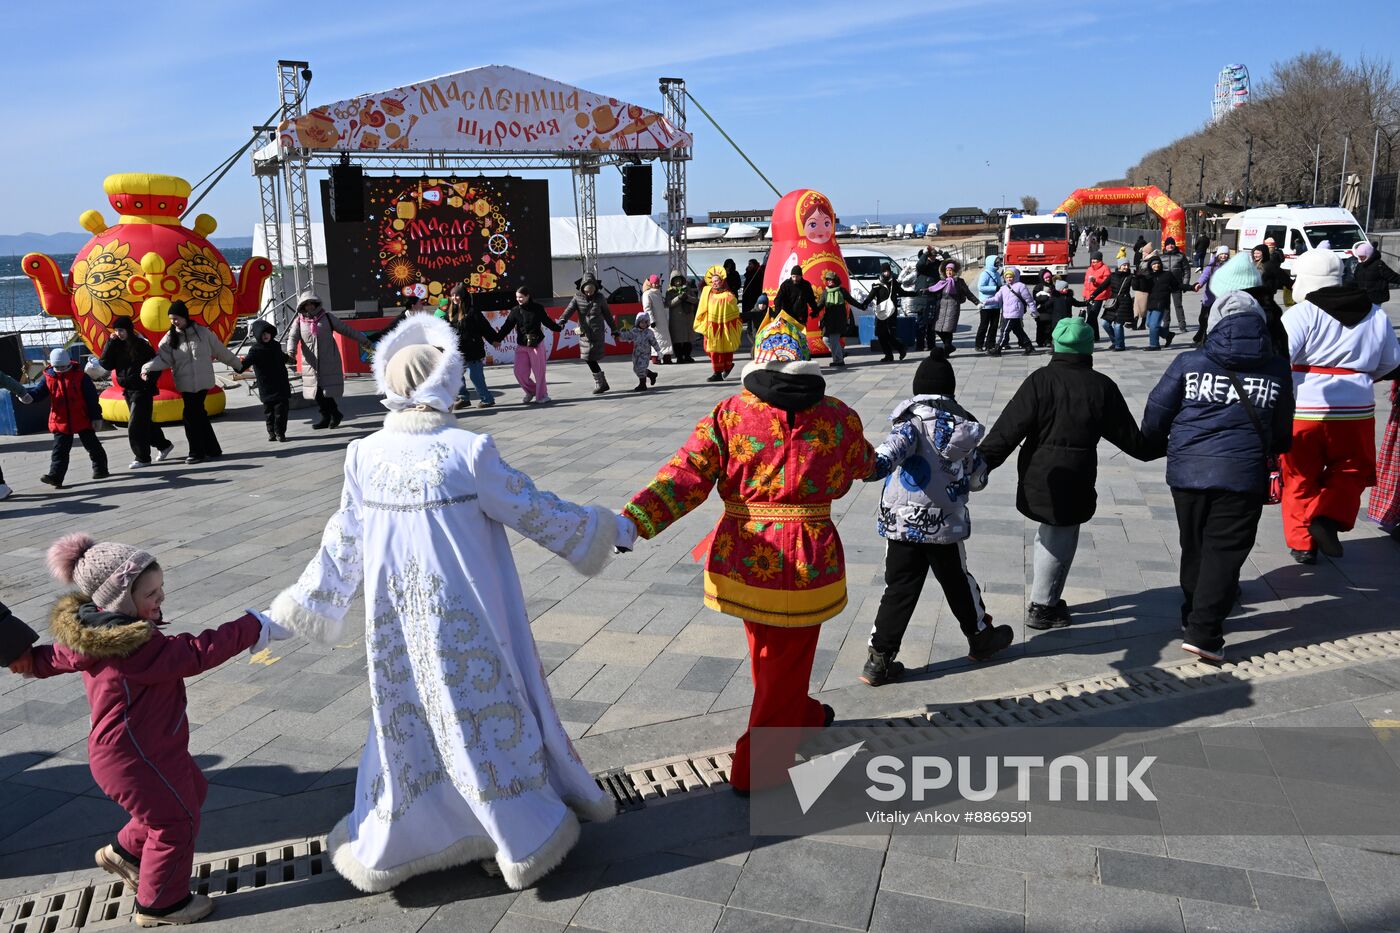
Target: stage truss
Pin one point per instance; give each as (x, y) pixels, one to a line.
(283, 189)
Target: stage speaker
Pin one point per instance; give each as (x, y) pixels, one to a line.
(347, 194)
(12, 356)
(636, 190)
(624, 295)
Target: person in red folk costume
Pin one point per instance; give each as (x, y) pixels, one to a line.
(779, 452)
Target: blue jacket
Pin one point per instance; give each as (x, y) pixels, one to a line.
(1196, 413)
(990, 279)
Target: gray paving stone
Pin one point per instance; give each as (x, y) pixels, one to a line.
(974, 885)
(810, 881)
(1057, 906)
(896, 913)
(677, 875)
(1176, 877)
(624, 909)
(710, 674)
(1053, 856)
(1211, 917)
(1365, 885)
(735, 920)
(1301, 897)
(1284, 855)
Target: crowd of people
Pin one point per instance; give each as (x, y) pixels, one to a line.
(1271, 405)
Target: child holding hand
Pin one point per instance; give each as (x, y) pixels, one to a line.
(134, 676)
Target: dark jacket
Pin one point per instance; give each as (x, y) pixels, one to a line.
(269, 363)
(1117, 285)
(753, 287)
(1196, 414)
(124, 359)
(834, 311)
(798, 301)
(1058, 416)
(473, 332)
(1159, 286)
(1374, 277)
(15, 637)
(734, 280)
(528, 321)
(1278, 334)
(1177, 264)
(1062, 304)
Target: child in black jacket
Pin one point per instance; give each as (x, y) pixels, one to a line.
(269, 361)
(1061, 303)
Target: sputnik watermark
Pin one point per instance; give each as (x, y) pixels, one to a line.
(1099, 778)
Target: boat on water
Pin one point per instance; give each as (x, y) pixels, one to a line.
(742, 231)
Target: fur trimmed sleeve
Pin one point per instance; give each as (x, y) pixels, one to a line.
(317, 604)
(583, 535)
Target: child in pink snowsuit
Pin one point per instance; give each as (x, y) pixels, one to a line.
(134, 676)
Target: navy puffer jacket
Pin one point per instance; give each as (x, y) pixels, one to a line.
(1197, 414)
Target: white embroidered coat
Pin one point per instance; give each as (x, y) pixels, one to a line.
(466, 757)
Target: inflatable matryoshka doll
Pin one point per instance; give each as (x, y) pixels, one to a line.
(804, 234)
(137, 267)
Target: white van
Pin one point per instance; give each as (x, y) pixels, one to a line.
(1297, 229)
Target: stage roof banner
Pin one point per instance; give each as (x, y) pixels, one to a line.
(491, 109)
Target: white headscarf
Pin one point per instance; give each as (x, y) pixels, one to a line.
(438, 387)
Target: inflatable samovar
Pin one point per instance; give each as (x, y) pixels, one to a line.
(137, 268)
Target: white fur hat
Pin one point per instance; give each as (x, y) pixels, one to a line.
(439, 388)
(1317, 268)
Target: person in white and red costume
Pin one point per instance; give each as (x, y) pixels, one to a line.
(1340, 344)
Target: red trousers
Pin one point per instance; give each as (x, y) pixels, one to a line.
(163, 798)
(720, 361)
(781, 661)
(1330, 464)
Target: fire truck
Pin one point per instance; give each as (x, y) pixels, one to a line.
(1033, 242)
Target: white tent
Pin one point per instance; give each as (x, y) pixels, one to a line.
(629, 248)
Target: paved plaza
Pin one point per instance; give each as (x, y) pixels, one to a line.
(641, 671)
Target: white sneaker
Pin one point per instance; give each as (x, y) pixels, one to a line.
(529, 399)
(164, 452)
(1205, 654)
(137, 464)
(543, 399)
(5, 491)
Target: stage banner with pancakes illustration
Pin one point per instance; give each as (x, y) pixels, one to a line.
(423, 235)
(489, 109)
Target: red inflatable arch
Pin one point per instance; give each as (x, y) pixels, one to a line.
(1172, 216)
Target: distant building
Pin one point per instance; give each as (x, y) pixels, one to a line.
(743, 217)
(998, 215)
(963, 217)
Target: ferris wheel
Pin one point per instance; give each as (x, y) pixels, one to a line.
(1231, 90)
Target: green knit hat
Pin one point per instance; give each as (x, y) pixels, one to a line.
(1072, 335)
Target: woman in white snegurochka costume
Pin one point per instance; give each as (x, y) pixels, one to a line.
(466, 758)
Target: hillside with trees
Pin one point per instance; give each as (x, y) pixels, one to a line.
(1310, 101)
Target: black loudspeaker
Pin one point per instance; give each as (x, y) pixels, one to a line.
(12, 356)
(636, 190)
(624, 295)
(347, 194)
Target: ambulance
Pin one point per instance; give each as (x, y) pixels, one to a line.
(1033, 242)
(1296, 230)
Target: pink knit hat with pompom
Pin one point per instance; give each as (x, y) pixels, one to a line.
(104, 571)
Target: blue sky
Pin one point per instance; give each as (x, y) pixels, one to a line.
(917, 104)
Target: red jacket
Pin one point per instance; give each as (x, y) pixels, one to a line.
(68, 407)
(1095, 275)
(134, 677)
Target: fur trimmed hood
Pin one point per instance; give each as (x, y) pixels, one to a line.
(439, 389)
(77, 624)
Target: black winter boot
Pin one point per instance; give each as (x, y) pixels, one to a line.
(600, 382)
(1041, 617)
(641, 385)
(881, 669)
(989, 641)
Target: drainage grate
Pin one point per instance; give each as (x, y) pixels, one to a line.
(51, 912)
(107, 902)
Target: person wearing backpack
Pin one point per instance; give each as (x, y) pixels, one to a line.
(1223, 413)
